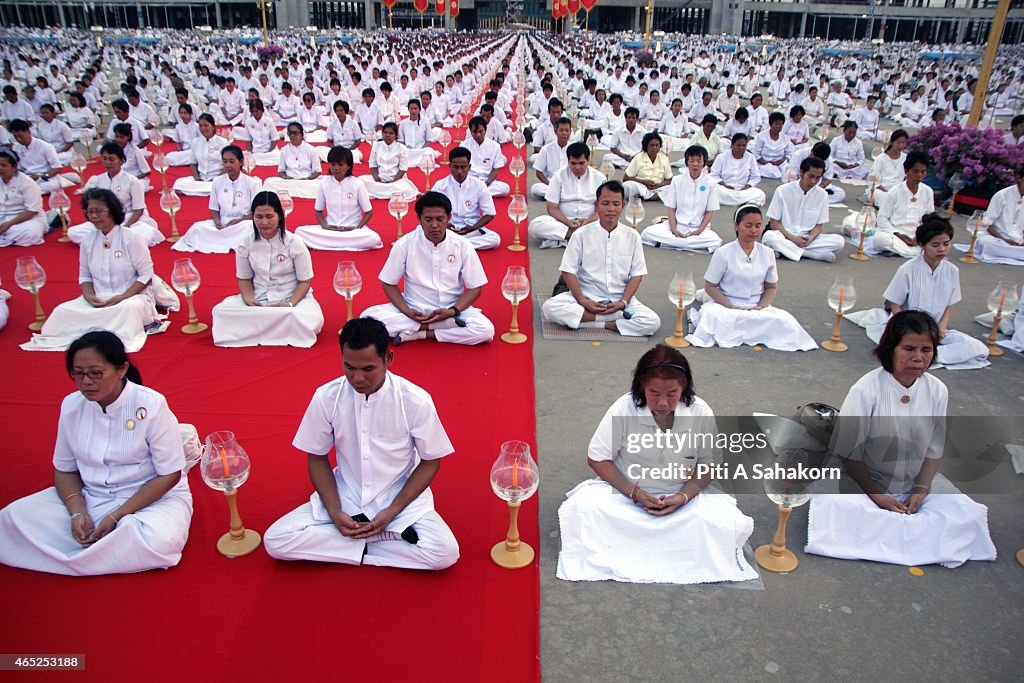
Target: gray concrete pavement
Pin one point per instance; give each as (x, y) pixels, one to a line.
(830, 619)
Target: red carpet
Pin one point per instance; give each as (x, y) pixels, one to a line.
(212, 618)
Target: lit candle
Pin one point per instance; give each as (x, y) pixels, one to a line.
(515, 474)
(224, 462)
(1002, 300)
(680, 293)
(841, 287)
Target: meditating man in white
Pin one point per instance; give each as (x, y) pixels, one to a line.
(796, 215)
(376, 506)
(443, 277)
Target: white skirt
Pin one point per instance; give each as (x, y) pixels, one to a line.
(606, 537)
(385, 190)
(298, 189)
(71, 319)
(659, 235)
(773, 327)
(271, 158)
(948, 529)
(237, 325)
(204, 237)
(361, 239)
(35, 533)
(323, 151)
(193, 188)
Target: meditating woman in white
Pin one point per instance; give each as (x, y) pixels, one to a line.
(260, 134)
(129, 191)
(185, 131)
(890, 437)
(691, 199)
(389, 162)
(737, 174)
(275, 306)
(848, 154)
(299, 166)
(230, 213)
(115, 274)
(80, 117)
(342, 208)
(119, 503)
(900, 211)
(1004, 241)
(22, 219)
(205, 161)
(930, 283)
(772, 148)
(741, 282)
(416, 134)
(637, 525)
(343, 131)
(888, 167)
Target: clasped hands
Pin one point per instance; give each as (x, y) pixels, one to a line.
(435, 316)
(598, 308)
(363, 530)
(660, 505)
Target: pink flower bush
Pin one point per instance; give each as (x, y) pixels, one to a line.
(981, 155)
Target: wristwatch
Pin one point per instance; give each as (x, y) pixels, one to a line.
(456, 309)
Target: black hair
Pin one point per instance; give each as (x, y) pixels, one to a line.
(433, 199)
(613, 186)
(270, 199)
(662, 362)
(745, 211)
(18, 125)
(360, 333)
(460, 153)
(907, 321)
(695, 151)
(113, 148)
(811, 162)
(233, 150)
(575, 150)
(109, 346)
(738, 137)
(109, 199)
(648, 138)
(822, 150)
(341, 155)
(914, 158)
(776, 116)
(932, 225)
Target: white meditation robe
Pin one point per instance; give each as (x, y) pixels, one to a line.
(949, 528)
(275, 267)
(742, 279)
(130, 191)
(232, 200)
(575, 197)
(115, 451)
(435, 277)
(728, 170)
(799, 212)
(607, 537)
(1006, 212)
(378, 441)
(389, 160)
(690, 199)
(470, 200)
(345, 202)
(17, 196)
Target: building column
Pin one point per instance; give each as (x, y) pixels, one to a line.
(220, 22)
(368, 17)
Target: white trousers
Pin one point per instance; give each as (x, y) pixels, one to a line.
(948, 529)
(751, 195)
(58, 181)
(635, 189)
(956, 350)
(4, 311)
(836, 194)
(25, 234)
(773, 327)
(478, 329)
(299, 535)
(416, 155)
(858, 173)
(823, 248)
(772, 171)
(659, 235)
(35, 533)
(499, 188)
(193, 188)
(563, 309)
(206, 238)
(298, 189)
(236, 325)
(145, 226)
(357, 156)
(538, 190)
(180, 158)
(548, 231)
(606, 537)
(71, 319)
(272, 157)
(483, 239)
(381, 190)
(990, 247)
(361, 239)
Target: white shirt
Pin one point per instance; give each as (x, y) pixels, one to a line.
(232, 103)
(628, 143)
(485, 157)
(435, 275)
(867, 119)
(80, 117)
(898, 208)
(769, 149)
(879, 426)
(1006, 211)
(233, 199)
(287, 107)
(611, 441)
(311, 118)
(38, 158)
(378, 441)
(262, 133)
(345, 201)
(470, 200)
(413, 134)
(550, 159)
(21, 194)
(799, 211)
(368, 118)
(691, 199)
(275, 267)
(343, 134)
(110, 457)
(114, 262)
(889, 171)
(741, 278)
(674, 126)
(603, 261)
(205, 155)
(915, 285)
(847, 151)
(576, 197)
(127, 188)
(56, 132)
(299, 161)
(389, 159)
(732, 171)
(138, 132)
(758, 118)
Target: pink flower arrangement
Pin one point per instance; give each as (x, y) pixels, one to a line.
(980, 155)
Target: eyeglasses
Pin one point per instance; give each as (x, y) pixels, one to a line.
(79, 375)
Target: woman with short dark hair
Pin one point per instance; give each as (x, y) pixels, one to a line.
(647, 517)
(890, 438)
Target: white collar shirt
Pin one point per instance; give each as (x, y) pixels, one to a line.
(275, 266)
(344, 201)
(470, 200)
(915, 285)
(742, 278)
(114, 262)
(1006, 211)
(576, 197)
(344, 134)
(799, 211)
(299, 161)
(550, 159)
(389, 159)
(899, 208)
(435, 275)
(233, 198)
(485, 157)
(691, 199)
(847, 151)
(128, 189)
(56, 132)
(118, 449)
(19, 195)
(603, 261)
(205, 154)
(732, 171)
(39, 157)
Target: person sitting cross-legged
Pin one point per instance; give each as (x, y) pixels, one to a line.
(797, 213)
(692, 200)
(603, 266)
(472, 204)
(570, 199)
(443, 277)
